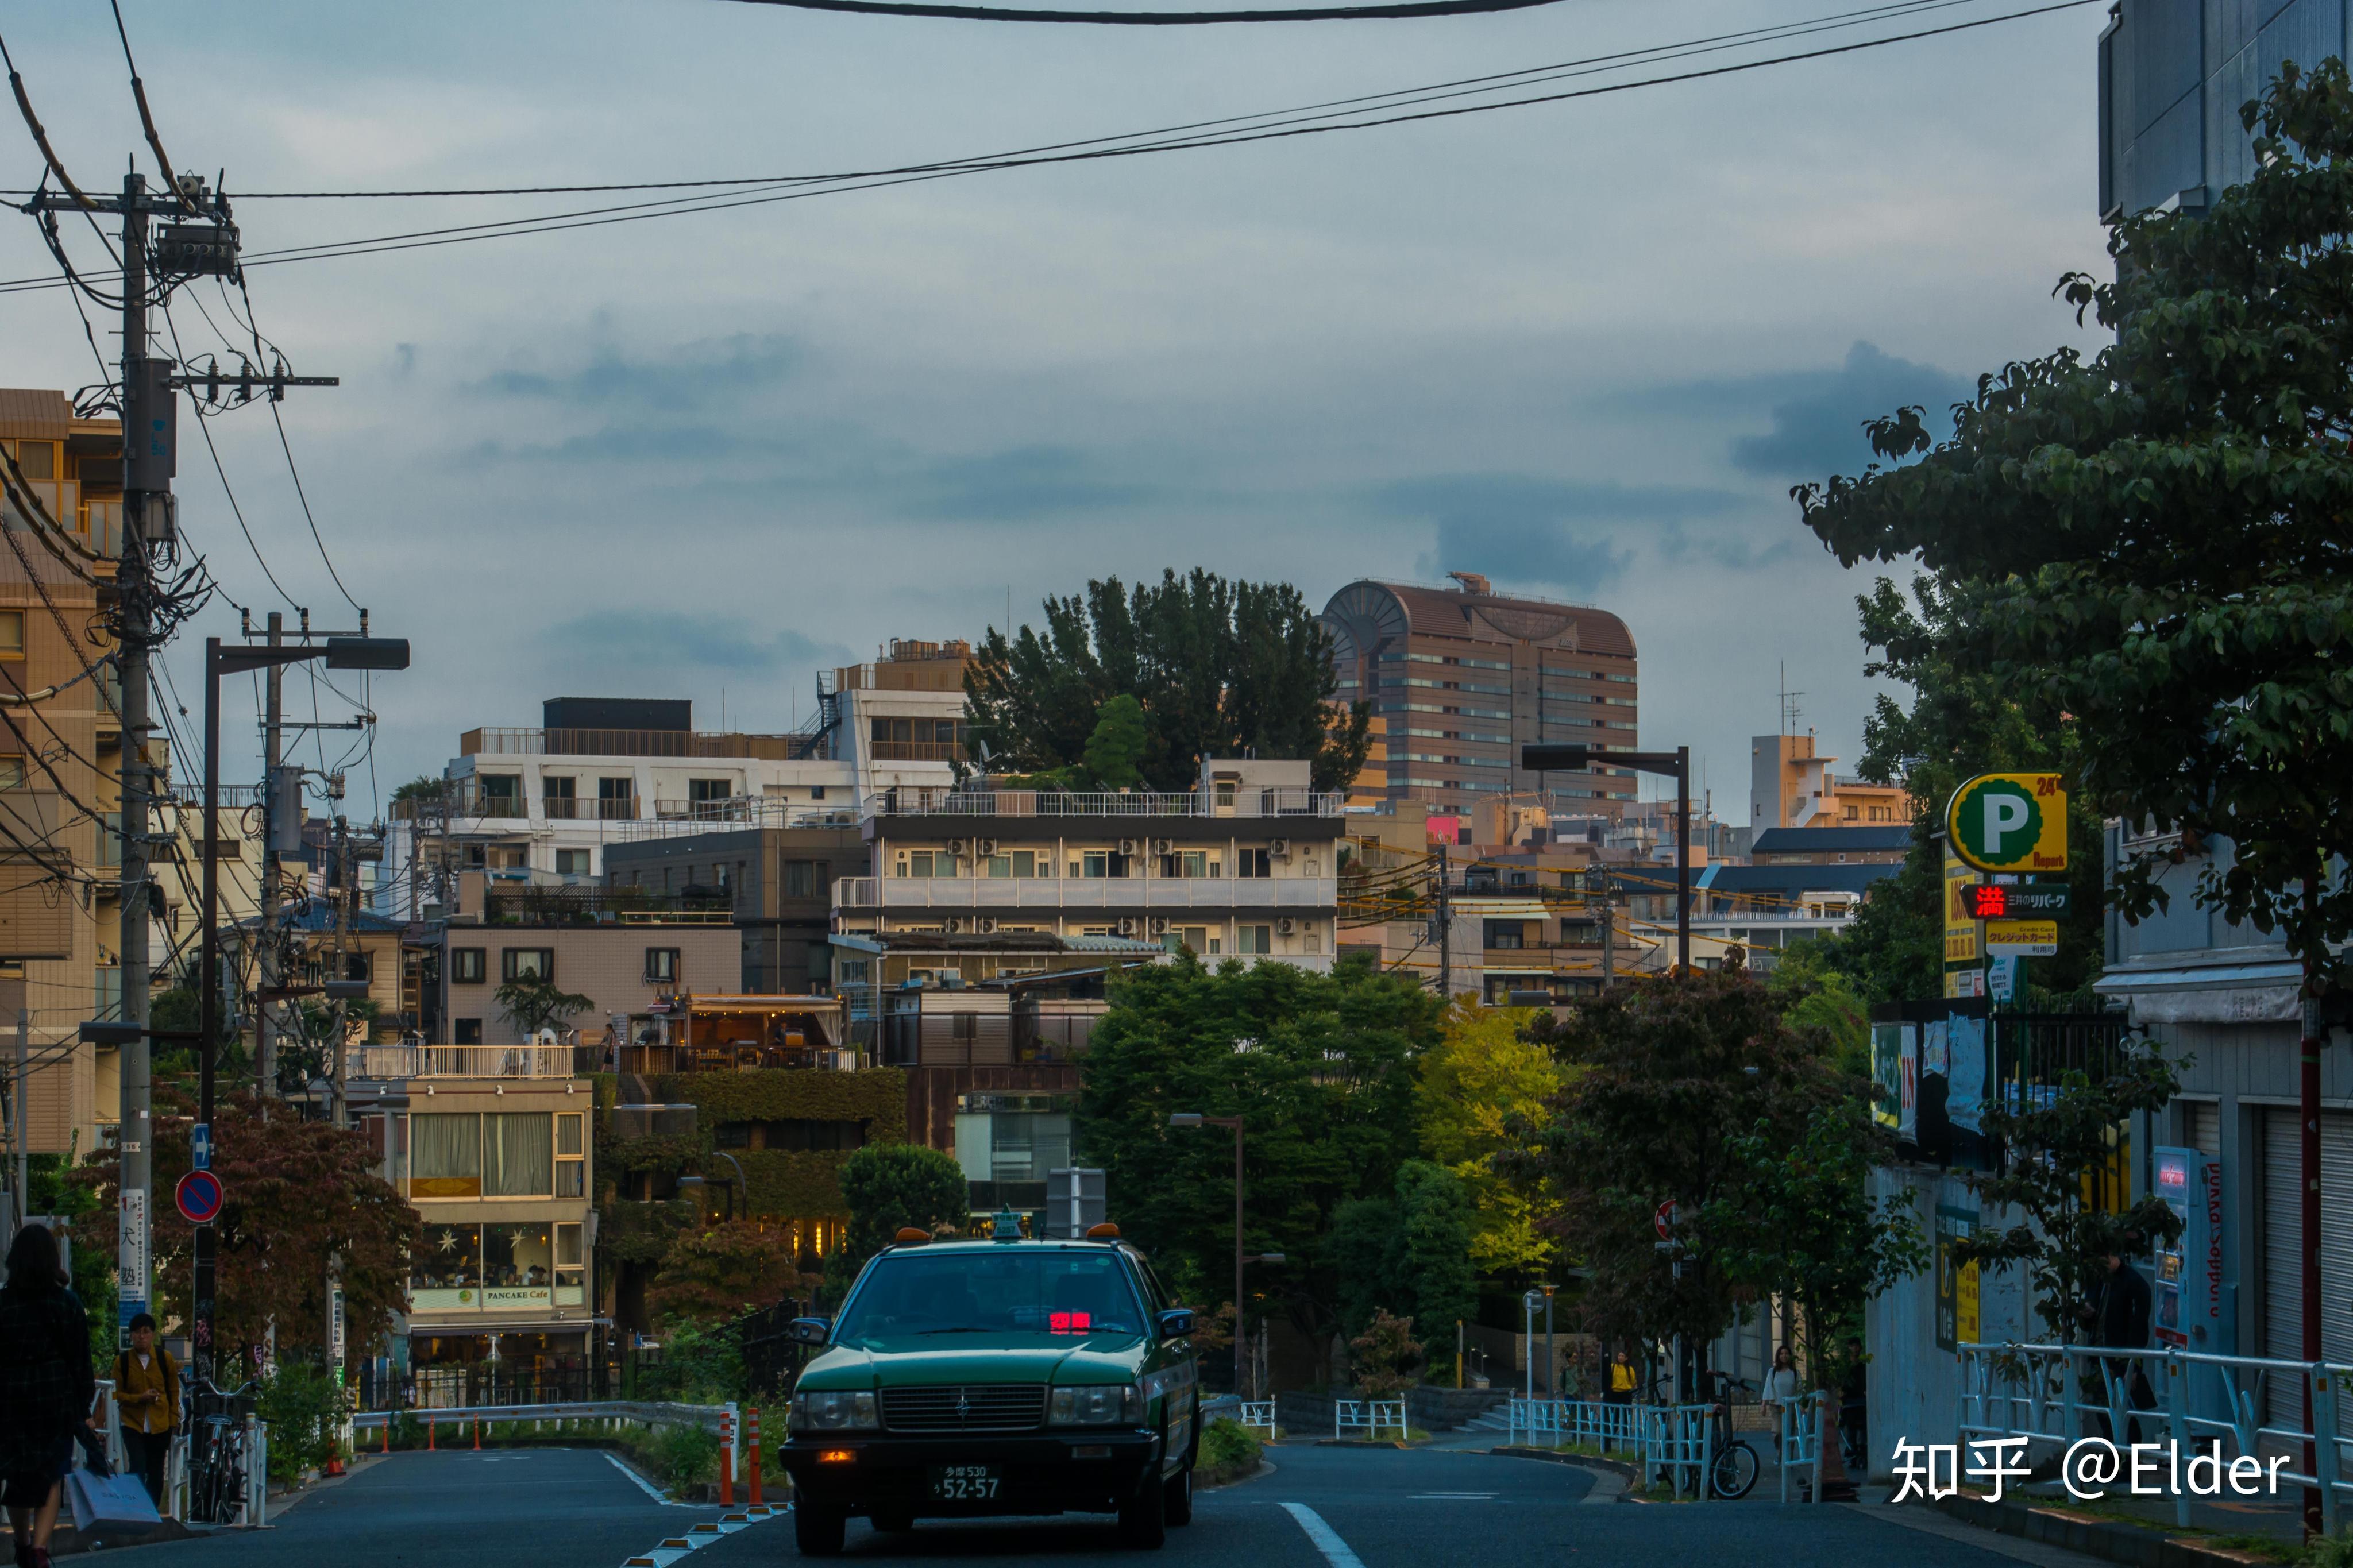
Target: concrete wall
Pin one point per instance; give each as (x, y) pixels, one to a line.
(606, 962)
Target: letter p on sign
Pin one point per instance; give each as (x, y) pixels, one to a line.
(2010, 821)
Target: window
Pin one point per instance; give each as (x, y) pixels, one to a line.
(800, 879)
(568, 1265)
(926, 863)
(466, 1031)
(1191, 863)
(444, 1154)
(450, 1259)
(616, 799)
(357, 967)
(518, 1154)
(561, 796)
(662, 965)
(572, 862)
(501, 794)
(1196, 938)
(466, 966)
(1252, 863)
(1502, 933)
(12, 634)
(526, 964)
(477, 857)
(12, 772)
(1254, 939)
(571, 1157)
(705, 790)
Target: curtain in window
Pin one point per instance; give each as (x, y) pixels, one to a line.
(519, 1155)
(443, 1145)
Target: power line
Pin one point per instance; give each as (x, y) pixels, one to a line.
(203, 425)
(917, 173)
(1166, 18)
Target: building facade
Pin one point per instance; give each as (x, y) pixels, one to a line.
(1463, 677)
(1791, 784)
(778, 886)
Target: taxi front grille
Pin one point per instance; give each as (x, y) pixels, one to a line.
(987, 1407)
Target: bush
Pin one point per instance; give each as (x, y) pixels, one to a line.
(701, 1364)
(681, 1456)
(1229, 1446)
(305, 1413)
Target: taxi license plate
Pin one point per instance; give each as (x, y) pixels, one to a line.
(966, 1483)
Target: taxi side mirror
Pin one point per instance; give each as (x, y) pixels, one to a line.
(811, 1331)
(1177, 1323)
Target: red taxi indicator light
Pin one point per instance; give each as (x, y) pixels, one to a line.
(1069, 1322)
(836, 1455)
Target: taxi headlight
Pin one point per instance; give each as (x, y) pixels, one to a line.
(1104, 1405)
(842, 1412)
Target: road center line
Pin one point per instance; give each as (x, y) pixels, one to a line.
(1326, 1539)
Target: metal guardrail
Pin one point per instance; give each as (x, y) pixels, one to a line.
(612, 1413)
(1258, 1414)
(2065, 1394)
(1677, 1438)
(1365, 1416)
(1801, 1441)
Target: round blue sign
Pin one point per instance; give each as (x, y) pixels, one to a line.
(199, 1196)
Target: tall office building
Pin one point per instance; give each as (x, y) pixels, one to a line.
(1463, 677)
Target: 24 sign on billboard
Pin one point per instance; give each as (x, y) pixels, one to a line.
(2010, 821)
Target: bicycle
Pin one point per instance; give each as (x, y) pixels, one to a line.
(217, 1456)
(1735, 1467)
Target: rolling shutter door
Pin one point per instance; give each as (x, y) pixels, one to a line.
(2283, 1229)
(2201, 1126)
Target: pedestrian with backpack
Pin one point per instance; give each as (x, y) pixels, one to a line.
(147, 1397)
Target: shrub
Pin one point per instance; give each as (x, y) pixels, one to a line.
(1229, 1446)
(305, 1413)
(1385, 1358)
(682, 1457)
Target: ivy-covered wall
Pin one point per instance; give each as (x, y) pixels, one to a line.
(788, 1184)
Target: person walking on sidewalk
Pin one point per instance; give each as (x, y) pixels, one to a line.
(46, 1388)
(1781, 1392)
(147, 1393)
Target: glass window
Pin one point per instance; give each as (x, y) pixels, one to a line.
(1253, 939)
(572, 862)
(518, 1257)
(503, 794)
(444, 1154)
(37, 458)
(571, 1158)
(568, 1266)
(662, 965)
(12, 771)
(12, 634)
(1061, 1293)
(465, 967)
(1032, 863)
(710, 789)
(1095, 863)
(1000, 866)
(518, 1154)
(450, 1259)
(800, 879)
(526, 964)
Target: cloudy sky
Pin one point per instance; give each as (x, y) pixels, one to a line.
(1584, 347)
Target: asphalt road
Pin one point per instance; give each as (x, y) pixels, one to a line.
(1318, 1507)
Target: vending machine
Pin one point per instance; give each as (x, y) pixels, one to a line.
(2193, 1298)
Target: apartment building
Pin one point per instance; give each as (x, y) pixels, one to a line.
(1791, 784)
(1465, 676)
(1245, 865)
(775, 882)
(540, 804)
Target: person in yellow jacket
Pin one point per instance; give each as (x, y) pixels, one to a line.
(147, 1395)
(1624, 1379)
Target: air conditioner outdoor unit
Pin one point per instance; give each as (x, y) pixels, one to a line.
(955, 845)
(1128, 845)
(955, 925)
(1286, 926)
(987, 925)
(1160, 925)
(985, 846)
(1127, 926)
(1163, 845)
(1279, 847)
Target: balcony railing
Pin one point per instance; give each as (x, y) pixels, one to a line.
(915, 750)
(1243, 802)
(1045, 894)
(516, 743)
(572, 808)
(466, 1061)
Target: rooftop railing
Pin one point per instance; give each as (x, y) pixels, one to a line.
(519, 742)
(1241, 802)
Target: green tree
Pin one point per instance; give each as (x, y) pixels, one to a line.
(534, 1004)
(714, 1272)
(891, 1187)
(1800, 1227)
(1386, 1359)
(1817, 994)
(2063, 1152)
(424, 786)
(1664, 1074)
(2153, 540)
(1218, 668)
(1407, 1254)
(1483, 1085)
(1319, 1067)
(1117, 746)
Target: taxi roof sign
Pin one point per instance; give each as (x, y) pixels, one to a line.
(2010, 821)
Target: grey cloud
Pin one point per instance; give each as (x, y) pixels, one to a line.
(1816, 415)
(1678, 544)
(1021, 482)
(692, 377)
(689, 641)
(1526, 529)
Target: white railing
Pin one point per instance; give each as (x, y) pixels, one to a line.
(1801, 1441)
(2060, 1395)
(1369, 1416)
(1258, 1414)
(1172, 893)
(1677, 1438)
(1244, 802)
(495, 1061)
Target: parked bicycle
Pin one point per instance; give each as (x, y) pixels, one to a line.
(217, 1454)
(1735, 1467)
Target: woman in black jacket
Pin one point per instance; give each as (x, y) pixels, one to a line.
(46, 1388)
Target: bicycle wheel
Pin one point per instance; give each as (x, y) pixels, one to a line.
(1735, 1471)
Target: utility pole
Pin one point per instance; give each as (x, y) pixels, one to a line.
(1445, 930)
(148, 442)
(1608, 933)
(338, 963)
(272, 972)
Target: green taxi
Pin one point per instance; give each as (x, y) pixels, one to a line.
(1005, 1376)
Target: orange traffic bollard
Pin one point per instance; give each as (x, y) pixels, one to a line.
(754, 1424)
(477, 1434)
(387, 1433)
(431, 1429)
(726, 1461)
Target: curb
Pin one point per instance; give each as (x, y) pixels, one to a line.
(1618, 1467)
(2095, 1538)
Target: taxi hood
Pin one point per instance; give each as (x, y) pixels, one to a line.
(918, 1361)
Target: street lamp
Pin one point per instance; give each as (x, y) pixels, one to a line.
(741, 1184)
(340, 653)
(1575, 759)
(1194, 1119)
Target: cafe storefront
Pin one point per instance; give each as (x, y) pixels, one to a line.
(499, 1314)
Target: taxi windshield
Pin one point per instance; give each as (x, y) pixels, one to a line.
(1061, 1293)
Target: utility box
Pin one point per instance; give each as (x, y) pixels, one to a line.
(1075, 1201)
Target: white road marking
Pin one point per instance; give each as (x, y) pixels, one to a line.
(646, 1486)
(1326, 1539)
(1450, 1497)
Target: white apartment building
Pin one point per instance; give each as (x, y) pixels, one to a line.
(538, 806)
